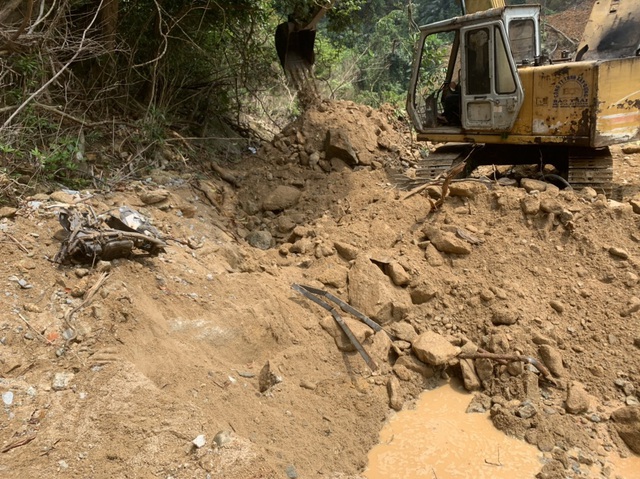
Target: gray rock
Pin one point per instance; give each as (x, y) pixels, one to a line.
(291, 472)
(526, 410)
(281, 198)
(552, 359)
(434, 349)
(627, 424)
(222, 438)
(199, 441)
(577, 401)
(338, 145)
(61, 381)
(260, 239)
(446, 242)
(631, 149)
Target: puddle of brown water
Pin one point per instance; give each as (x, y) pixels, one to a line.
(439, 440)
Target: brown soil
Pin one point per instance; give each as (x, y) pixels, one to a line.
(171, 347)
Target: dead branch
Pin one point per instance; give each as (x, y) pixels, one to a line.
(25, 21)
(225, 174)
(39, 335)
(20, 245)
(58, 73)
(18, 443)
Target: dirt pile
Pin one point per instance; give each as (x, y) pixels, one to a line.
(116, 370)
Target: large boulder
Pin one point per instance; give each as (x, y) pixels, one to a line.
(281, 198)
(434, 349)
(337, 145)
(373, 293)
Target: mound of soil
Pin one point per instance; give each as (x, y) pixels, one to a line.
(203, 362)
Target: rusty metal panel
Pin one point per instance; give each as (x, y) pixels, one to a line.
(617, 117)
(563, 97)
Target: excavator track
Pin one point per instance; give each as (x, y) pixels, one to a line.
(431, 168)
(593, 168)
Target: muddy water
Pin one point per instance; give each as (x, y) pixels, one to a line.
(438, 439)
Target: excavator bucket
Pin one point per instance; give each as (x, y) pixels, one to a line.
(295, 43)
(295, 47)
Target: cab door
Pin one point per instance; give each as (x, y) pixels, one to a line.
(491, 90)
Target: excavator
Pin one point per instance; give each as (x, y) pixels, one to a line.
(495, 98)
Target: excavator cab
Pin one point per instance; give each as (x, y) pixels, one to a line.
(482, 55)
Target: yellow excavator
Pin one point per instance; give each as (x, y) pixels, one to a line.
(501, 101)
(498, 100)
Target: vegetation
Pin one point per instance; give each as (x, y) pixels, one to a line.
(143, 69)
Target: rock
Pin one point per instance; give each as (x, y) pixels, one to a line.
(378, 346)
(360, 330)
(291, 472)
(153, 197)
(281, 198)
(222, 438)
(577, 400)
(551, 205)
(484, 369)
(627, 424)
(433, 256)
(480, 403)
(103, 266)
(398, 274)
(199, 441)
(346, 251)
(558, 306)
(338, 145)
(503, 315)
(469, 376)
(61, 381)
(446, 242)
(306, 384)
(330, 272)
(530, 205)
(373, 294)
(526, 410)
(260, 239)
(635, 205)
(633, 306)
(636, 342)
(529, 184)
(393, 389)
(552, 359)
(467, 189)
(618, 253)
(434, 349)
(403, 330)
(412, 363)
(7, 212)
(422, 293)
(631, 149)
(61, 197)
(267, 379)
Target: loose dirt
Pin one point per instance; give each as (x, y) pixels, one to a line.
(160, 350)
